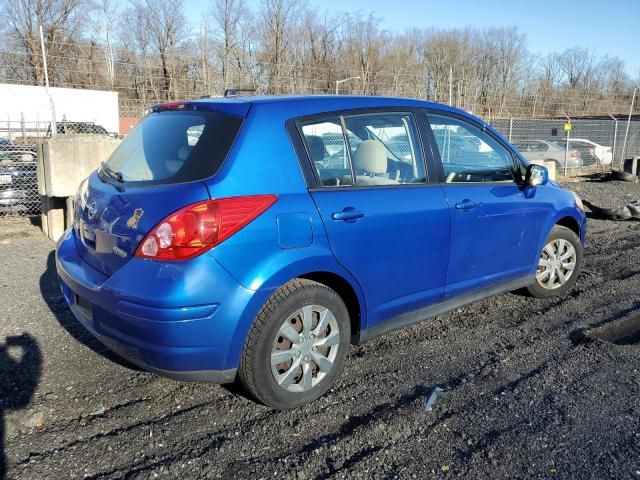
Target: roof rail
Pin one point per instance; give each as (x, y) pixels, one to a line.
(233, 92)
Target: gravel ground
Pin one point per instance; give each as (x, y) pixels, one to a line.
(527, 396)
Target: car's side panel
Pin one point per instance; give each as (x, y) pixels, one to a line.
(397, 250)
(495, 240)
(440, 308)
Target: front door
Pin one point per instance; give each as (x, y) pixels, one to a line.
(385, 223)
(494, 226)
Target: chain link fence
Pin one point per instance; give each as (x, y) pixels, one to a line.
(590, 142)
(18, 180)
(597, 143)
(19, 194)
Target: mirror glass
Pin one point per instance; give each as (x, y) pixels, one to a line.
(536, 175)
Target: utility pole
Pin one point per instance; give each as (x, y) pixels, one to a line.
(451, 86)
(54, 126)
(338, 82)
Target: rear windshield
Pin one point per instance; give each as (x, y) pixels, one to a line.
(174, 147)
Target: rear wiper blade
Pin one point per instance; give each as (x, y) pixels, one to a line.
(111, 173)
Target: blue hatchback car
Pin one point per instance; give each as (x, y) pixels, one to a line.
(253, 239)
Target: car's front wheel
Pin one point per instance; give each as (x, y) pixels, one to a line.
(559, 264)
(297, 345)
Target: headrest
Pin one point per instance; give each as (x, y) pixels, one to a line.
(371, 157)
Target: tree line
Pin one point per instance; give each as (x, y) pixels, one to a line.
(148, 51)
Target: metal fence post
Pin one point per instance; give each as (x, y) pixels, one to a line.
(566, 154)
(566, 149)
(9, 127)
(615, 138)
(24, 130)
(626, 133)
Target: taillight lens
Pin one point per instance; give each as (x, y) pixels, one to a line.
(201, 226)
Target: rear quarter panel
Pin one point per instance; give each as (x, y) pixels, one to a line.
(267, 253)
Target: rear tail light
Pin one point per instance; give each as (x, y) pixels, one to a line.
(201, 226)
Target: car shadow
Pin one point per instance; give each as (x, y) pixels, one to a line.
(20, 369)
(52, 295)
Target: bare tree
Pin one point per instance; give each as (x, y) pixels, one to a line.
(277, 18)
(158, 28)
(228, 17)
(60, 20)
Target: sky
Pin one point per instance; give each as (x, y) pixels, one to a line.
(605, 27)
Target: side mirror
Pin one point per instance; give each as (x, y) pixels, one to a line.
(536, 175)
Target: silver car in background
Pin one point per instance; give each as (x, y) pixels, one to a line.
(599, 154)
(544, 150)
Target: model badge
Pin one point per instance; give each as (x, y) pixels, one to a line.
(120, 252)
(135, 218)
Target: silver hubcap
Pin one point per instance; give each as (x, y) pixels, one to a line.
(556, 265)
(305, 348)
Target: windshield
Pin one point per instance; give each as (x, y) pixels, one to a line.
(173, 147)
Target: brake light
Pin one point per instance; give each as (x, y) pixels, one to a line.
(201, 226)
(170, 106)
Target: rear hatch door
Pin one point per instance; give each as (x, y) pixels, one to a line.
(157, 169)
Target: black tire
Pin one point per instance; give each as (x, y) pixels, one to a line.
(255, 372)
(624, 176)
(559, 233)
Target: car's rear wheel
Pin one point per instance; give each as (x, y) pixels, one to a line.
(559, 264)
(297, 345)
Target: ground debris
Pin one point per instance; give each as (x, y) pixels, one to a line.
(430, 400)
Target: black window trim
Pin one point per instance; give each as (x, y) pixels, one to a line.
(294, 129)
(515, 159)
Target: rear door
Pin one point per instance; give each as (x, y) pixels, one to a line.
(156, 170)
(494, 225)
(385, 223)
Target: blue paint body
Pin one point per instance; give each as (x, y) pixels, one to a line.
(414, 246)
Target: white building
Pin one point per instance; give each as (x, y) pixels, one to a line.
(30, 106)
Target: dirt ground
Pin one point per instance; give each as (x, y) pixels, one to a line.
(526, 395)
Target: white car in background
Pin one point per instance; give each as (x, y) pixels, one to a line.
(603, 154)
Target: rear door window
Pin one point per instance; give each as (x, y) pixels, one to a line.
(175, 147)
(326, 146)
(365, 149)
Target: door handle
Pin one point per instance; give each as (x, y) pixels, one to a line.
(466, 205)
(348, 213)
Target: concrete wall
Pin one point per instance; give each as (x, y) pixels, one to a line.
(66, 160)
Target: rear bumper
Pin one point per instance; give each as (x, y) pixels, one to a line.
(178, 320)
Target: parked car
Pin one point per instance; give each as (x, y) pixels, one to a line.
(10, 151)
(18, 187)
(250, 254)
(80, 128)
(18, 180)
(543, 150)
(599, 153)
